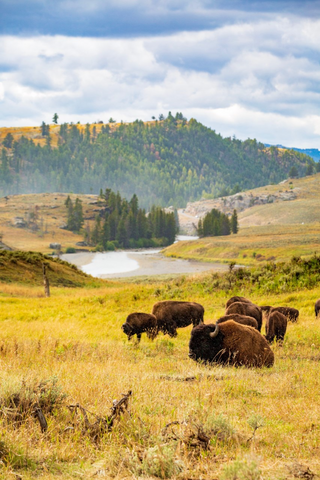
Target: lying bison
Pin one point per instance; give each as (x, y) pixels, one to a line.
(237, 299)
(243, 319)
(317, 307)
(138, 323)
(230, 343)
(248, 309)
(276, 326)
(172, 314)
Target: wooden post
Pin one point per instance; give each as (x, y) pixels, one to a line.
(45, 281)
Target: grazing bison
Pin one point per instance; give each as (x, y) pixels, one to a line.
(317, 307)
(248, 309)
(276, 326)
(290, 313)
(237, 299)
(230, 343)
(172, 314)
(243, 319)
(137, 323)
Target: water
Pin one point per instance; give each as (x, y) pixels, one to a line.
(136, 263)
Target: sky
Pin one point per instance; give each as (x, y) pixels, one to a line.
(248, 69)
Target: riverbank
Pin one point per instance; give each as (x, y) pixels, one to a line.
(122, 264)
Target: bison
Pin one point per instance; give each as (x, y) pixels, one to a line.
(290, 313)
(317, 307)
(265, 309)
(230, 343)
(137, 323)
(243, 319)
(276, 326)
(248, 309)
(172, 314)
(237, 299)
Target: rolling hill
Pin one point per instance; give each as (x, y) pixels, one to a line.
(169, 162)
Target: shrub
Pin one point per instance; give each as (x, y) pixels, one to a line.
(70, 250)
(158, 461)
(246, 469)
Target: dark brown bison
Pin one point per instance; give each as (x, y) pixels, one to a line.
(237, 299)
(248, 309)
(243, 319)
(137, 323)
(291, 313)
(230, 343)
(276, 326)
(172, 314)
(317, 307)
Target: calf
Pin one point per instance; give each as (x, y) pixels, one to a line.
(137, 323)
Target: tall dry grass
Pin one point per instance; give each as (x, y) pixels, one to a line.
(258, 423)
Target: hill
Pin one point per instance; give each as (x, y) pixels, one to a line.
(293, 201)
(167, 162)
(34, 221)
(276, 223)
(312, 152)
(27, 268)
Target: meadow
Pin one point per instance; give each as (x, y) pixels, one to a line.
(185, 420)
(252, 245)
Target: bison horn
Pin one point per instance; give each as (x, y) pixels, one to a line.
(215, 333)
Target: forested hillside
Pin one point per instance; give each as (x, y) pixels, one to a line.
(168, 162)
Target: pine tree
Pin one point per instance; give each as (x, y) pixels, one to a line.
(234, 222)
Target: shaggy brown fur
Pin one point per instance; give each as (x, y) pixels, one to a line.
(276, 326)
(248, 309)
(290, 313)
(237, 299)
(243, 319)
(265, 309)
(172, 314)
(232, 344)
(138, 322)
(317, 307)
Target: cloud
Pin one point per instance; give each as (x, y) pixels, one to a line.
(131, 18)
(252, 79)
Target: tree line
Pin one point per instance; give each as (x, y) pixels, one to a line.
(216, 223)
(170, 161)
(122, 224)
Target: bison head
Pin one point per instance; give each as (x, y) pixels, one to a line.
(128, 330)
(206, 344)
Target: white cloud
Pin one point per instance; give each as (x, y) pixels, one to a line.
(253, 80)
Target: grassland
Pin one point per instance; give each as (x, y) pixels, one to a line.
(252, 245)
(260, 423)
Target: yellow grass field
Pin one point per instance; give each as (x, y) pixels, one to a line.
(259, 423)
(253, 245)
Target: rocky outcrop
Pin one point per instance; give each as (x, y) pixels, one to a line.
(189, 216)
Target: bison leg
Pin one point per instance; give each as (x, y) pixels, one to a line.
(152, 334)
(138, 337)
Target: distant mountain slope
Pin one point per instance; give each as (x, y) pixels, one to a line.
(167, 162)
(312, 152)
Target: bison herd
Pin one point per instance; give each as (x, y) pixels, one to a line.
(234, 338)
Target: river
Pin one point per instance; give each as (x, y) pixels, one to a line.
(132, 263)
